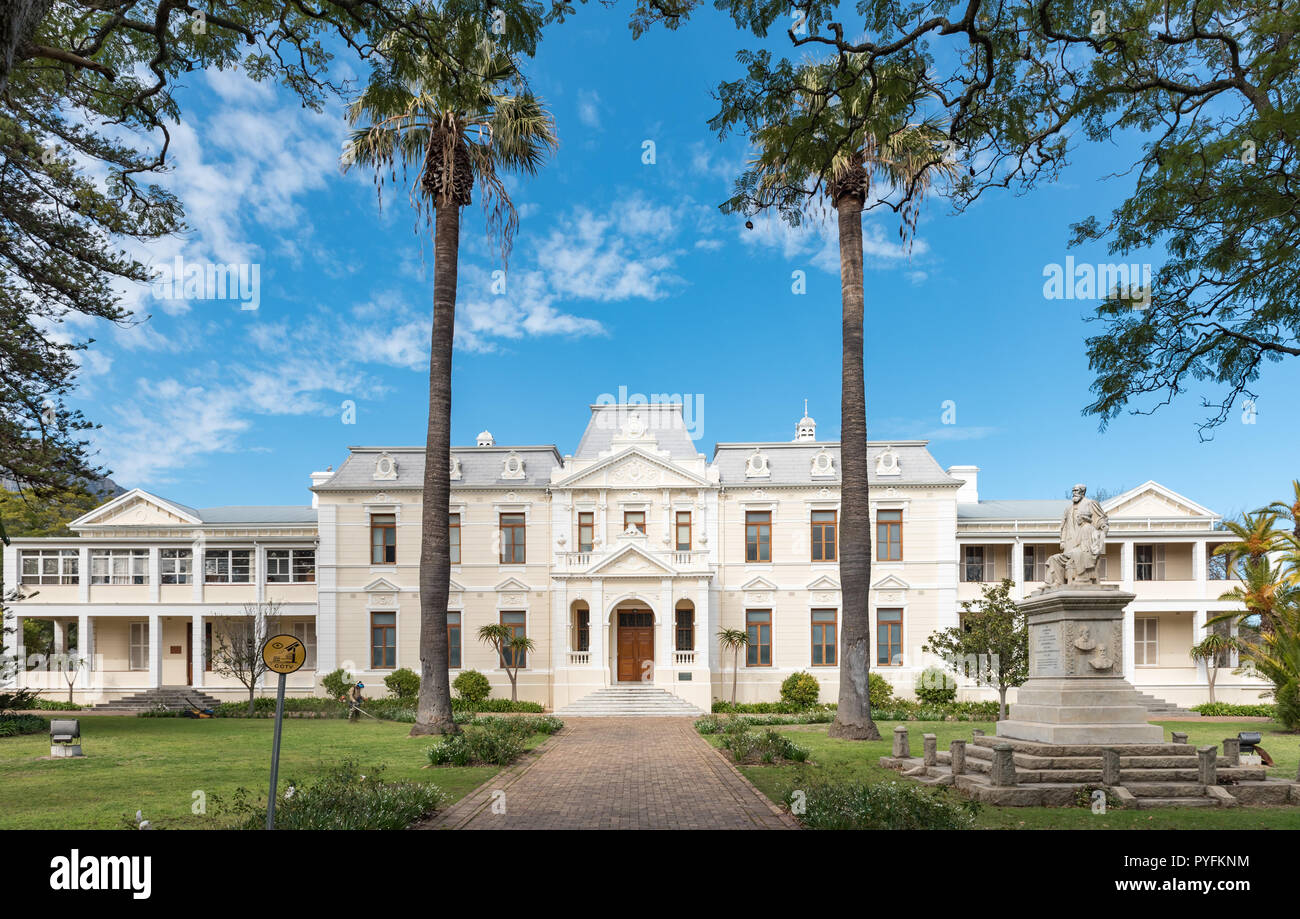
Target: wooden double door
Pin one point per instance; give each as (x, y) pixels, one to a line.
(636, 645)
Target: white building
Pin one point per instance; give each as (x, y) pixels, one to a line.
(621, 562)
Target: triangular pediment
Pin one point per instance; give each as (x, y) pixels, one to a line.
(632, 468)
(759, 583)
(138, 508)
(891, 583)
(1151, 499)
(630, 560)
(824, 583)
(512, 584)
(381, 585)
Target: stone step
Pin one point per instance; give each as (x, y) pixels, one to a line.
(1165, 789)
(1144, 804)
(629, 702)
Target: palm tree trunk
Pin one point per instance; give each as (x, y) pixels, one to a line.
(853, 715)
(433, 713)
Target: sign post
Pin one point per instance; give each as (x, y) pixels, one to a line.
(282, 654)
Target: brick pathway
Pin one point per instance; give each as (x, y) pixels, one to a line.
(619, 774)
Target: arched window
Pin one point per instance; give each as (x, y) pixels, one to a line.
(685, 626)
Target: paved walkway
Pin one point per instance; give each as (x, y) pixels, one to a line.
(618, 774)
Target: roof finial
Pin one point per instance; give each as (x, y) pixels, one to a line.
(805, 408)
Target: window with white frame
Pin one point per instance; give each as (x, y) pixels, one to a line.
(974, 567)
(176, 566)
(228, 566)
(305, 632)
(49, 566)
(1150, 562)
(139, 649)
(290, 566)
(1146, 648)
(119, 566)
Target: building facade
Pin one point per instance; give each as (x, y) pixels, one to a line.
(622, 562)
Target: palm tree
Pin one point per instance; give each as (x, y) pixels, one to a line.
(733, 640)
(512, 650)
(454, 128)
(1266, 592)
(1277, 658)
(1256, 536)
(835, 135)
(1290, 511)
(1213, 650)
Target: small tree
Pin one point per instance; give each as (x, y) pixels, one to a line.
(733, 640)
(237, 645)
(1213, 650)
(992, 643)
(70, 665)
(512, 650)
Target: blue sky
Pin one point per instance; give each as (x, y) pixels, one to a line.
(624, 274)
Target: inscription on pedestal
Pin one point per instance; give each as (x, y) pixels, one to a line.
(1045, 651)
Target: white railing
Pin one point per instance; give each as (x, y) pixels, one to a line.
(683, 658)
(579, 658)
(576, 559)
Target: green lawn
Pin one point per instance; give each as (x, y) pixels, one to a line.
(155, 764)
(842, 760)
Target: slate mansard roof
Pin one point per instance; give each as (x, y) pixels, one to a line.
(480, 467)
(664, 420)
(792, 463)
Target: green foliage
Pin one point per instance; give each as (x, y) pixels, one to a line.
(403, 683)
(490, 741)
(768, 708)
(1083, 797)
(472, 686)
(879, 806)
(497, 705)
(1227, 709)
(800, 689)
(935, 686)
(17, 700)
(769, 748)
(880, 690)
(14, 725)
(713, 724)
(343, 798)
(991, 643)
(54, 705)
(337, 682)
(907, 710)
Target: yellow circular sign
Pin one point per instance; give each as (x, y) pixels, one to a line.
(284, 653)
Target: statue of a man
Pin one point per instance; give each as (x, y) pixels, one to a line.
(1083, 541)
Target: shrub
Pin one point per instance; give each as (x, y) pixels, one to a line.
(489, 741)
(18, 700)
(15, 725)
(767, 708)
(936, 686)
(768, 748)
(879, 690)
(336, 682)
(452, 750)
(55, 705)
(496, 705)
(343, 799)
(879, 806)
(403, 683)
(800, 689)
(472, 686)
(1288, 704)
(1228, 709)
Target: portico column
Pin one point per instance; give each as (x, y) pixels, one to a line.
(1130, 649)
(155, 651)
(1198, 633)
(60, 645)
(1018, 567)
(196, 649)
(86, 646)
(19, 649)
(1126, 563)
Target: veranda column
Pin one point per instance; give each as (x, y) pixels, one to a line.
(60, 645)
(197, 654)
(155, 651)
(15, 622)
(1018, 567)
(85, 647)
(1198, 632)
(155, 574)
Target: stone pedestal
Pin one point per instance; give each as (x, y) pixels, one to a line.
(1076, 692)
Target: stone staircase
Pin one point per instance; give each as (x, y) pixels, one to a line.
(172, 698)
(1151, 775)
(1156, 706)
(629, 702)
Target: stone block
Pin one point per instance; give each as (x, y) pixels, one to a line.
(901, 748)
(1231, 752)
(957, 754)
(930, 747)
(1206, 766)
(1110, 767)
(1179, 736)
(1004, 766)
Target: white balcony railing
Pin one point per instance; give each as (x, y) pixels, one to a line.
(683, 658)
(693, 560)
(579, 658)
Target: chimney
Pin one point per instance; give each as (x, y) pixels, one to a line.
(320, 478)
(968, 493)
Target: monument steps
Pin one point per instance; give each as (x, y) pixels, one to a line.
(1165, 789)
(1144, 804)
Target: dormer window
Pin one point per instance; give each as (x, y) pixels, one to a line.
(756, 465)
(385, 468)
(455, 469)
(823, 464)
(513, 468)
(887, 462)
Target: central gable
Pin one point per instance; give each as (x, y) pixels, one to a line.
(630, 561)
(633, 468)
(1151, 499)
(138, 508)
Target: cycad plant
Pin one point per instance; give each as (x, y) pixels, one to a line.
(454, 128)
(1266, 592)
(733, 640)
(1277, 658)
(512, 651)
(1289, 509)
(837, 130)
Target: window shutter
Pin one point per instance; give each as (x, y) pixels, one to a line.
(1159, 562)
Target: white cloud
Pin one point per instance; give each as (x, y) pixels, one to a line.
(589, 108)
(817, 239)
